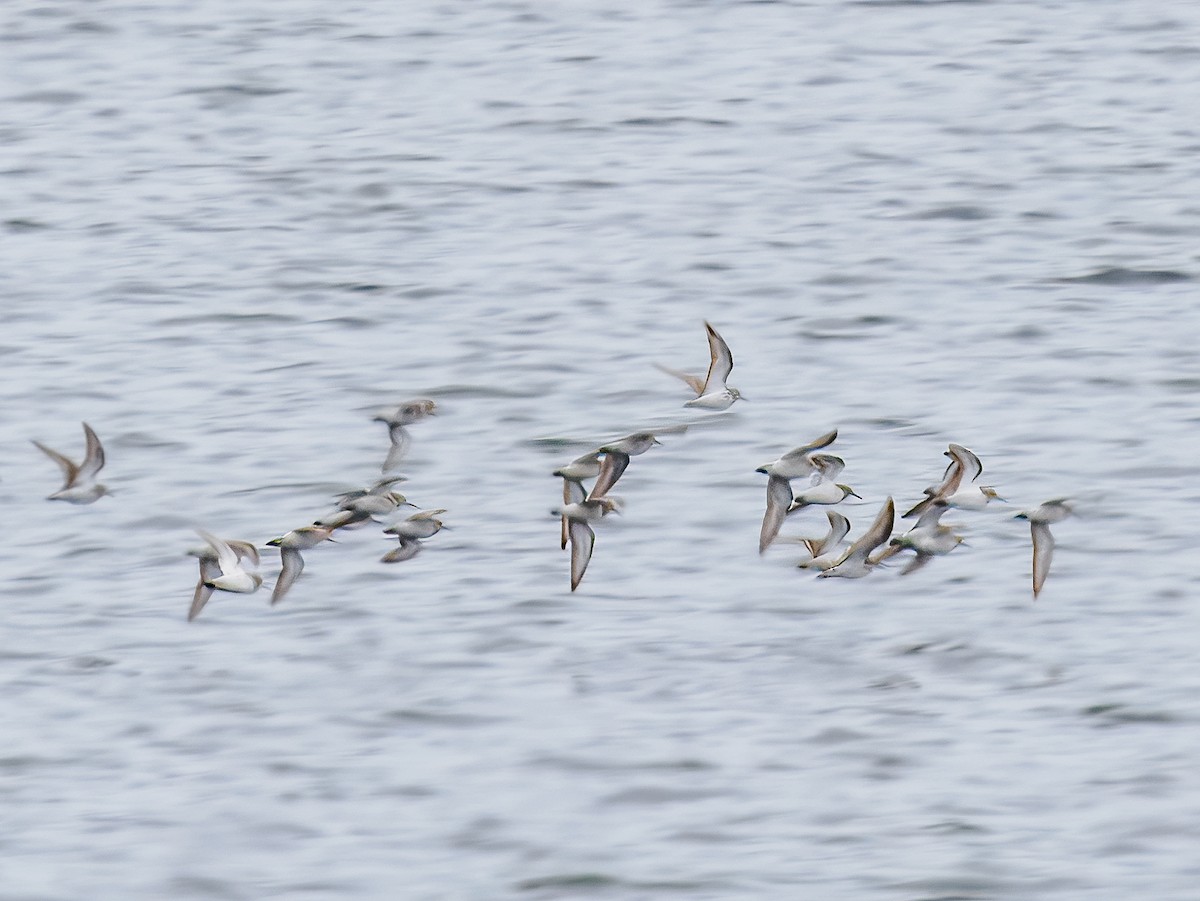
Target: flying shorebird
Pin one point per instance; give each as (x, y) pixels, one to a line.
(406, 414)
(827, 550)
(856, 562)
(1043, 542)
(378, 500)
(798, 462)
(781, 502)
(580, 512)
(927, 539)
(711, 393)
(422, 524)
(290, 546)
(79, 479)
(210, 569)
(232, 576)
(585, 467)
(957, 488)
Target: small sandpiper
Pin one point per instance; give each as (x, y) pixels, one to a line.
(210, 569)
(711, 393)
(1040, 519)
(290, 546)
(79, 479)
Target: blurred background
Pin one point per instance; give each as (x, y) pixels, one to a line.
(230, 232)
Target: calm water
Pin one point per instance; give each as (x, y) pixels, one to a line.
(228, 238)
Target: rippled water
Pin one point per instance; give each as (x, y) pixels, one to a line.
(229, 236)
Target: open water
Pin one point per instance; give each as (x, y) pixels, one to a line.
(231, 231)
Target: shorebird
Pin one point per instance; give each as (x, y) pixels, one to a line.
(824, 492)
(798, 462)
(781, 502)
(856, 562)
(616, 459)
(1043, 542)
(290, 546)
(827, 550)
(580, 513)
(957, 488)
(378, 500)
(79, 479)
(422, 524)
(585, 467)
(406, 414)
(230, 574)
(927, 539)
(210, 569)
(711, 392)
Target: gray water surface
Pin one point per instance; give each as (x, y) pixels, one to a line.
(232, 231)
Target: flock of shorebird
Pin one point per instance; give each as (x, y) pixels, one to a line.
(223, 563)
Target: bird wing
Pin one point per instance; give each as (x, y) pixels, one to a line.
(1043, 551)
(244, 549)
(693, 381)
(916, 563)
(611, 469)
(573, 493)
(721, 363)
(824, 441)
(69, 469)
(839, 528)
(828, 465)
(293, 565)
(93, 459)
(582, 541)
(971, 466)
(779, 498)
(879, 532)
(208, 571)
(931, 516)
(226, 558)
(399, 438)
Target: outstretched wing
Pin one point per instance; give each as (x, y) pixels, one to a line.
(69, 470)
(779, 498)
(1043, 551)
(93, 458)
(293, 565)
(612, 466)
(721, 363)
(582, 541)
(693, 381)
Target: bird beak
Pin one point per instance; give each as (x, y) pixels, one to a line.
(856, 494)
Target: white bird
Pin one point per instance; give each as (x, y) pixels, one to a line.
(585, 467)
(210, 569)
(957, 488)
(856, 562)
(824, 492)
(290, 546)
(232, 576)
(1040, 519)
(927, 539)
(405, 415)
(798, 462)
(827, 550)
(580, 513)
(79, 479)
(711, 393)
(378, 500)
(422, 524)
